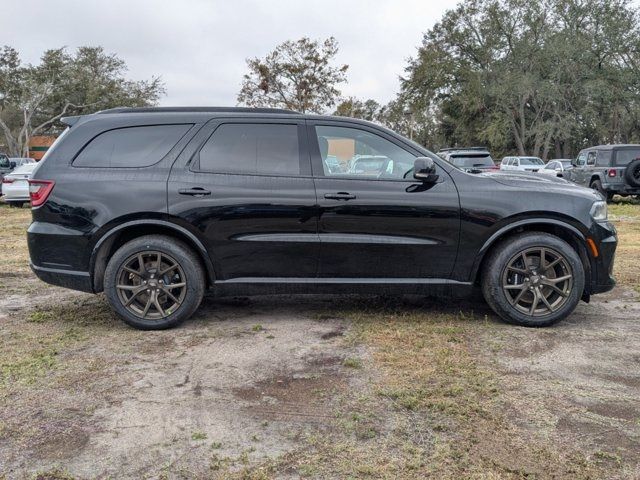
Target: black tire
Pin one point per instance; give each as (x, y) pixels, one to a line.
(187, 270)
(498, 270)
(597, 186)
(632, 173)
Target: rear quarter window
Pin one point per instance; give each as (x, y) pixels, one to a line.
(131, 147)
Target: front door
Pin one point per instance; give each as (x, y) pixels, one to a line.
(246, 190)
(376, 221)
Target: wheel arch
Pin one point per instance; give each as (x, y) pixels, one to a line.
(121, 234)
(563, 230)
(595, 176)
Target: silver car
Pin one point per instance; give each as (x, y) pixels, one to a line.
(15, 185)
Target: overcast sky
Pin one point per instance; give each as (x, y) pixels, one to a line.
(199, 47)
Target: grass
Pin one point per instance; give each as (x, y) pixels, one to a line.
(625, 215)
(13, 235)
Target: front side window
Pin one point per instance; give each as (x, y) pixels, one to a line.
(531, 161)
(582, 159)
(591, 158)
(131, 146)
(347, 151)
(247, 148)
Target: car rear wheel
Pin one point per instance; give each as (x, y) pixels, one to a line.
(533, 279)
(154, 282)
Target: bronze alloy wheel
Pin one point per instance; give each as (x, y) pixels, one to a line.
(151, 285)
(537, 281)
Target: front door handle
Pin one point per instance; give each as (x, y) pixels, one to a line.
(195, 191)
(339, 196)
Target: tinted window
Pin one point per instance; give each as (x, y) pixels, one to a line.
(531, 161)
(354, 152)
(582, 158)
(604, 157)
(131, 147)
(252, 148)
(624, 157)
(470, 161)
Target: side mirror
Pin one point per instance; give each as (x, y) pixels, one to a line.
(424, 169)
(12, 164)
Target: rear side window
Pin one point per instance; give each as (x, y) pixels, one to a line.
(131, 146)
(268, 149)
(604, 158)
(624, 157)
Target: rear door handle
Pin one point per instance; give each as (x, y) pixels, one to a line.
(195, 191)
(339, 196)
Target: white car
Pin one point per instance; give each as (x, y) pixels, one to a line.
(15, 185)
(522, 164)
(557, 167)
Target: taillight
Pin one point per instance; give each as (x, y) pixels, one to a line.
(612, 172)
(7, 180)
(39, 191)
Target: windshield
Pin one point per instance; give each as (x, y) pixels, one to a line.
(531, 161)
(624, 157)
(470, 160)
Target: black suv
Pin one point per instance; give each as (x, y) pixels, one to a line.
(609, 169)
(155, 205)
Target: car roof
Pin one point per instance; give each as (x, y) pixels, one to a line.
(612, 146)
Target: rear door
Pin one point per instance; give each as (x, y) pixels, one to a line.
(244, 187)
(378, 222)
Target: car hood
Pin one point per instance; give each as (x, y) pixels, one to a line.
(539, 182)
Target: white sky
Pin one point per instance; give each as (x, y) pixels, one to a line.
(199, 47)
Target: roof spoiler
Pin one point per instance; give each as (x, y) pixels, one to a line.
(71, 121)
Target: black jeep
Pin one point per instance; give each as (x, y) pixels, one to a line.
(153, 206)
(609, 169)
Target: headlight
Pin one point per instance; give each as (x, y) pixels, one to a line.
(599, 211)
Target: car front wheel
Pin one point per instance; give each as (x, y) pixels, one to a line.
(533, 279)
(154, 282)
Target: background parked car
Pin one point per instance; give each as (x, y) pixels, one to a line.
(16, 185)
(522, 164)
(8, 164)
(557, 167)
(471, 159)
(609, 169)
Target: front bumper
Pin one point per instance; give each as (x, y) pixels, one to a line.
(605, 237)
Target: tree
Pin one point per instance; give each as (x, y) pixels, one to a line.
(366, 110)
(33, 98)
(295, 75)
(539, 78)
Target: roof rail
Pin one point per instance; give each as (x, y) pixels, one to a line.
(196, 109)
(449, 149)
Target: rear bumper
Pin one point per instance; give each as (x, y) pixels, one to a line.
(58, 256)
(64, 278)
(621, 188)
